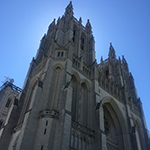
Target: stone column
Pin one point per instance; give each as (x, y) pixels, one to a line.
(67, 120)
(67, 110)
(102, 130)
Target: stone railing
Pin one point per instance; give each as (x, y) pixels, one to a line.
(81, 137)
(103, 62)
(49, 114)
(111, 146)
(13, 87)
(85, 69)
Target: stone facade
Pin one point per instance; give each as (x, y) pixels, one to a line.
(69, 102)
(8, 103)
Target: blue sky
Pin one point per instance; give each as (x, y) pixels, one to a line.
(125, 23)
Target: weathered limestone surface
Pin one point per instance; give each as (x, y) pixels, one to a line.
(70, 102)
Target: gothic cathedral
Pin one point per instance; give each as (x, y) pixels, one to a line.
(68, 101)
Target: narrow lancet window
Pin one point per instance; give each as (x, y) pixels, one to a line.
(8, 103)
(58, 54)
(62, 54)
(82, 42)
(74, 33)
(45, 131)
(46, 122)
(107, 73)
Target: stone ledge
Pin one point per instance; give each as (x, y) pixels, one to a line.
(49, 114)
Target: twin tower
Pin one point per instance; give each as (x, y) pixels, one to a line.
(69, 102)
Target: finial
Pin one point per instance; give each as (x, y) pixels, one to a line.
(51, 26)
(101, 59)
(42, 41)
(69, 9)
(111, 47)
(62, 17)
(44, 36)
(92, 38)
(131, 80)
(111, 52)
(53, 23)
(80, 20)
(119, 59)
(131, 75)
(88, 25)
(123, 60)
(58, 19)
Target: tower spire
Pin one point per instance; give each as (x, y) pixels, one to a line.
(88, 25)
(69, 9)
(111, 52)
(124, 62)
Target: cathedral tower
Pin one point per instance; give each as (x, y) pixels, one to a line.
(70, 102)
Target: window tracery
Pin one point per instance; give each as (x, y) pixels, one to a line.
(82, 42)
(106, 125)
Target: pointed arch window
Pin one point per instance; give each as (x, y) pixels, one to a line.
(112, 127)
(58, 54)
(84, 105)
(62, 54)
(8, 103)
(82, 42)
(74, 99)
(107, 73)
(74, 34)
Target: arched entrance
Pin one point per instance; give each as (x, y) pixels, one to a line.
(114, 125)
